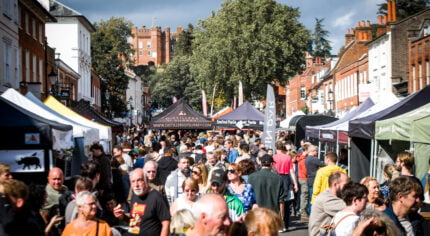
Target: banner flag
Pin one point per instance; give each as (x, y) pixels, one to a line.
(269, 136)
(204, 104)
(240, 93)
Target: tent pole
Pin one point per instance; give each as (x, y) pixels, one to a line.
(349, 157)
(371, 157)
(375, 158)
(337, 144)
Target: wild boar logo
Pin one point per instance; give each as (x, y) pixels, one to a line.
(30, 161)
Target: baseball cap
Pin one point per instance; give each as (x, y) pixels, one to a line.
(218, 176)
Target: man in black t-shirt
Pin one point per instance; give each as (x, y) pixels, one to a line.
(149, 213)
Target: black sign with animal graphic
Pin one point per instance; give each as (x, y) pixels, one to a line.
(30, 161)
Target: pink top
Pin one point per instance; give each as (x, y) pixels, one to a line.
(283, 163)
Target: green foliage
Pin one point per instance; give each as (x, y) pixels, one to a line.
(321, 46)
(405, 8)
(184, 44)
(255, 41)
(174, 80)
(108, 45)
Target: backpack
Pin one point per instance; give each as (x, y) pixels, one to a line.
(329, 229)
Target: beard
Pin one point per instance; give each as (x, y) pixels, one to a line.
(138, 191)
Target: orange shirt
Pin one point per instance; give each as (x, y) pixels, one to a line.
(302, 166)
(104, 230)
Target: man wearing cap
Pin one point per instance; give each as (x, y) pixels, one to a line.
(218, 180)
(268, 186)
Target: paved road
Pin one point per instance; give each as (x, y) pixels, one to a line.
(299, 228)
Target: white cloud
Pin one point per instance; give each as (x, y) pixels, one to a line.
(345, 20)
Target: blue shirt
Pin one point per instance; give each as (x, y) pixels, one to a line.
(232, 155)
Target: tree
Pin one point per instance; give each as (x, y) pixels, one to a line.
(185, 40)
(174, 80)
(255, 41)
(321, 46)
(110, 54)
(405, 8)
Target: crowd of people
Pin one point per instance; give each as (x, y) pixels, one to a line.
(180, 183)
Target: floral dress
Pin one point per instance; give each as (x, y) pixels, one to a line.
(247, 197)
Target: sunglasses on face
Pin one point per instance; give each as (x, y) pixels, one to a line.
(231, 171)
(196, 172)
(215, 184)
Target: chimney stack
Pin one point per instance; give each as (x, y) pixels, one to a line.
(389, 10)
(393, 11)
(379, 20)
(309, 61)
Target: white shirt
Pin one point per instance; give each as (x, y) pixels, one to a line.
(347, 225)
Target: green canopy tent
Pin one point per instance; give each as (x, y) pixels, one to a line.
(420, 135)
(400, 128)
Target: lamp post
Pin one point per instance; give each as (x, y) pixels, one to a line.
(330, 99)
(53, 79)
(130, 101)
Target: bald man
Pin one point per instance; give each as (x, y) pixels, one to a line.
(54, 190)
(211, 213)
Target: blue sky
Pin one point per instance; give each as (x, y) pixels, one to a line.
(339, 15)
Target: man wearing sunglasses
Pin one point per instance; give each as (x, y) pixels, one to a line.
(218, 182)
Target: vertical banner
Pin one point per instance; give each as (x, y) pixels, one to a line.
(204, 104)
(269, 136)
(240, 93)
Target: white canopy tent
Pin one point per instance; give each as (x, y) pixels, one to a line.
(285, 123)
(104, 131)
(65, 140)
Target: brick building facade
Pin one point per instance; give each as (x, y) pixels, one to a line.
(32, 43)
(153, 46)
(419, 54)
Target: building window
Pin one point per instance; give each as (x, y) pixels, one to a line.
(27, 65)
(34, 68)
(420, 76)
(15, 11)
(40, 33)
(7, 60)
(148, 45)
(40, 70)
(6, 8)
(27, 28)
(427, 73)
(414, 81)
(140, 52)
(33, 27)
(149, 53)
(140, 44)
(17, 64)
(302, 93)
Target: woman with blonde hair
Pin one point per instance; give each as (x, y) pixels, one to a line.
(200, 174)
(375, 201)
(190, 189)
(262, 221)
(390, 173)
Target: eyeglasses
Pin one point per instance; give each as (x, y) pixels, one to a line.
(231, 171)
(215, 184)
(190, 190)
(196, 172)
